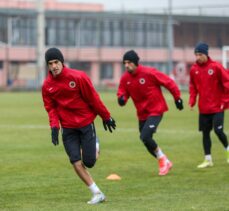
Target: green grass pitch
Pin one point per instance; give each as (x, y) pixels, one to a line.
(37, 176)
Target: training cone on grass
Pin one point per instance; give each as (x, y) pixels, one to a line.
(113, 177)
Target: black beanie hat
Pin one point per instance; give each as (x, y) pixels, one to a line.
(202, 48)
(53, 53)
(131, 56)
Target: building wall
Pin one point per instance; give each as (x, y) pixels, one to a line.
(96, 41)
(52, 5)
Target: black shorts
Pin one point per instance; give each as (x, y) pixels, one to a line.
(208, 121)
(80, 140)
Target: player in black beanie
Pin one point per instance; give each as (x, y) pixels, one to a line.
(143, 85)
(54, 60)
(54, 53)
(131, 56)
(72, 104)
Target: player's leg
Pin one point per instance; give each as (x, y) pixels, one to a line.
(205, 125)
(97, 148)
(146, 137)
(89, 151)
(147, 130)
(218, 123)
(72, 143)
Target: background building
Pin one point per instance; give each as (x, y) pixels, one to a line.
(94, 40)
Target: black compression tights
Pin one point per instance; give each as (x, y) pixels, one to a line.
(207, 140)
(151, 146)
(222, 137)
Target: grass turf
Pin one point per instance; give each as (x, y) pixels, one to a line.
(35, 175)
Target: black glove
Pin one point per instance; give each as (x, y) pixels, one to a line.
(179, 104)
(109, 124)
(121, 101)
(54, 134)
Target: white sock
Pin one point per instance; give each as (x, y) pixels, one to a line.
(227, 148)
(97, 147)
(159, 153)
(94, 188)
(97, 144)
(208, 157)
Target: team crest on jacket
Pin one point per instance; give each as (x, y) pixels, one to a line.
(72, 84)
(142, 80)
(210, 71)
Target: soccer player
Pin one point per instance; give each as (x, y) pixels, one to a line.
(143, 84)
(73, 103)
(210, 82)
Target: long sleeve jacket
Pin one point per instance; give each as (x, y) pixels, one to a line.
(71, 100)
(210, 82)
(144, 87)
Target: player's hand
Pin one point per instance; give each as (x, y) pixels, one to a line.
(179, 104)
(55, 134)
(110, 124)
(121, 101)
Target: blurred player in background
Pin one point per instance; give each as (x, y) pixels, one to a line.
(210, 82)
(143, 84)
(72, 102)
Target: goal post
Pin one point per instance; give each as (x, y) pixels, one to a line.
(225, 57)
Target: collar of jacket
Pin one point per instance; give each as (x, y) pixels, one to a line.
(137, 70)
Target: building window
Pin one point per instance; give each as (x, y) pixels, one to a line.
(23, 31)
(106, 35)
(88, 29)
(139, 34)
(106, 71)
(84, 66)
(154, 34)
(3, 30)
(61, 32)
(162, 67)
(134, 33)
(127, 34)
(117, 33)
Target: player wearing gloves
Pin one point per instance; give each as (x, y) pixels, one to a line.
(73, 103)
(143, 84)
(210, 82)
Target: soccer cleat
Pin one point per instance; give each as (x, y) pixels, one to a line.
(169, 164)
(164, 166)
(227, 154)
(97, 198)
(205, 164)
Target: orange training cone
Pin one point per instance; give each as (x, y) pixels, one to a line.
(113, 177)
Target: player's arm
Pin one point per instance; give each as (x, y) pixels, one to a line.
(91, 96)
(50, 107)
(192, 92)
(169, 84)
(225, 83)
(122, 93)
(52, 114)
